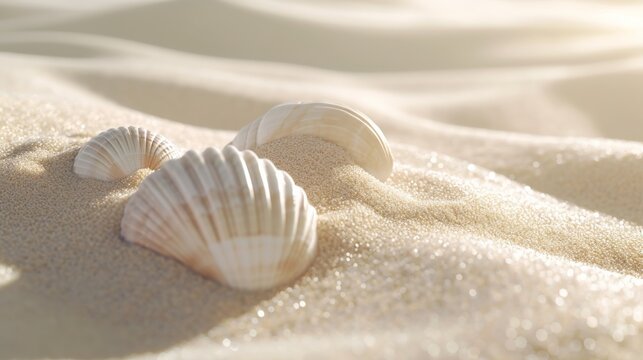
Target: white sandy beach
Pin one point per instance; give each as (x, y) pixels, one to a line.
(512, 226)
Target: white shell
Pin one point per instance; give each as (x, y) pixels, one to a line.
(118, 152)
(350, 129)
(227, 215)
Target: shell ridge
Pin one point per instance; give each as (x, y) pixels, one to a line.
(293, 219)
(241, 176)
(82, 165)
(211, 231)
(117, 145)
(160, 151)
(142, 136)
(262, 192)
(115, 166)
(165, 190)
(221, 168)
(178, 172)
(161, 205)
(247, 221)
(99, 152)
(150, 143)
(263, 209)
(217, 251)
(196, 202)
(171, 228)
(136, 137)
(220, 172)
(118, 152)
(213, 161)
(278, 207)
(276, 196)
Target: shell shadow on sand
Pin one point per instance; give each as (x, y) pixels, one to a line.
(79, 280)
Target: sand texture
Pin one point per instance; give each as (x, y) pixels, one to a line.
(511, 227)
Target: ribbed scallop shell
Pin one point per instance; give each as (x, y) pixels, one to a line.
(227, 215)
(350, 129)
(118, 152)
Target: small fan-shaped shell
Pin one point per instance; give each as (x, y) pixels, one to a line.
(118, 152)
(350, 129)
(227, 215)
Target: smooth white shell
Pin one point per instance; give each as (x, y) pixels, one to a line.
(118, 152)
(350, 129)
(227, 215)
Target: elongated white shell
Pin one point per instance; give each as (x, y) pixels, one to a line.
(350, 129)
(227, 215)
(118, 152)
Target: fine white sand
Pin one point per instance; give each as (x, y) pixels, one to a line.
(512, 226)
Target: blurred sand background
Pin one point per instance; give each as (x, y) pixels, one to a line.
(512, 226)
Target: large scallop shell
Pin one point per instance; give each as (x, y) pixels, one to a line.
(227, 215)
(350, 129)
(118, 152)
